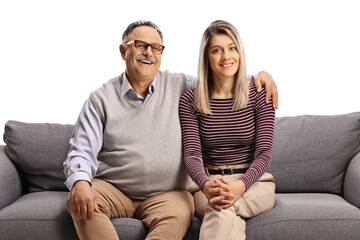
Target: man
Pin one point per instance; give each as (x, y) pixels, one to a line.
(125, 158)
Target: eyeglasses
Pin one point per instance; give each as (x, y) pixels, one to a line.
(142, 46)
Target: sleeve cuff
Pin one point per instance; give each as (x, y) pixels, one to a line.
(252, 76)
(246, 182)
(73, 178)
(202, 183)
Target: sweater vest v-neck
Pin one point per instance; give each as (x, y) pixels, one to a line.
(142, 146)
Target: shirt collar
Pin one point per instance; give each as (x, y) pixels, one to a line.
(126, 88)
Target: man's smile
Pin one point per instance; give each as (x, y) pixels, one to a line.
(145, 60)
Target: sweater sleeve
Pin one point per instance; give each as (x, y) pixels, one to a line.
(191, 139)
(265, 124)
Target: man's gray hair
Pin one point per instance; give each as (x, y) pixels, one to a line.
(136, 24)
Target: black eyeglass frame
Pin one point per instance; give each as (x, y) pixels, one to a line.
(146, 46)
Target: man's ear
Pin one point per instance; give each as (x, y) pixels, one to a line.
(122, 51)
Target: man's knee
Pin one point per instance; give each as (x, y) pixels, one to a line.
(185, 205)
(184, 209)
(177, 209)
(182, 215)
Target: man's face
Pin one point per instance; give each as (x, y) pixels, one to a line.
(141, 65)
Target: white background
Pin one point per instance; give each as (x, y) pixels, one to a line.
(54, 53)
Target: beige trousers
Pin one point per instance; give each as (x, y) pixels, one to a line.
(229, 223)
(167, 215)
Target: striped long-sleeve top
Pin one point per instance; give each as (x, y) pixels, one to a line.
(226, 136)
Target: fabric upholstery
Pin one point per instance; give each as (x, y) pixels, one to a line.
(311, 153)
(45, 213)
(352, 182)
(135, 229)
(295, 216)
(8, 177)
(39, 150)
(306, 216)
(39, 215)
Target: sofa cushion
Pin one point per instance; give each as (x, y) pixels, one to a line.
(43, 215)
(311, 153)
(134, 229)
(351, 182)
(306, 216)
(39, 215)
(10, 182)
(38, 150)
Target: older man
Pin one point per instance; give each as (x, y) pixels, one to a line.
(125, 157)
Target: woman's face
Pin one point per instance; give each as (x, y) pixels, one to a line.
(224, 58)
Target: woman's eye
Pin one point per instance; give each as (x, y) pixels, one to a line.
(233, 48)
(216, 50)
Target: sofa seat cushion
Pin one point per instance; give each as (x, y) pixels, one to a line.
(40, 215)
(134, 229)
(130, 228)
(306, 216)
(43, 215)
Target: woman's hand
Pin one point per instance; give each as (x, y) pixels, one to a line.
(213, 191)
(222, 193)
(232, 192)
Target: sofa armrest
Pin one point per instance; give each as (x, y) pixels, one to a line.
(351, 182)
(10, 182)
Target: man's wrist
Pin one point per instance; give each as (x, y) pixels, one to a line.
(75, 177)
(83, 182)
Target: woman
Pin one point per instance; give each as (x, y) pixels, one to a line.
(228, 136)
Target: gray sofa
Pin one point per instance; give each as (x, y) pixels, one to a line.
(316, 164)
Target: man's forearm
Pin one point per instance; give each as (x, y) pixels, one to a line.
(85, 143)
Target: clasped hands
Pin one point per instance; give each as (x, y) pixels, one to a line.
(222, 193)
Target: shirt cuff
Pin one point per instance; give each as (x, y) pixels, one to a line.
(77, 176)
(252, 76)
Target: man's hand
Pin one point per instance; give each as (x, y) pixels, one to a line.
(265, 79)
(83, 201)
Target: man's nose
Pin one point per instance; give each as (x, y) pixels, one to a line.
(147, 51)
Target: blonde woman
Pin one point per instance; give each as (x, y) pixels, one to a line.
(228, 137)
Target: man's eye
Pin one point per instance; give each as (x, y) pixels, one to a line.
(141, 45)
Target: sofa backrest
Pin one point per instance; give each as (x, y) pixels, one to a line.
(311, 153)
(39, 150)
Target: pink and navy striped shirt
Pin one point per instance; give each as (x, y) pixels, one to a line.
(227, 137)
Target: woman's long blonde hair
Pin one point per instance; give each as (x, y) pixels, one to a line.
(205, 85)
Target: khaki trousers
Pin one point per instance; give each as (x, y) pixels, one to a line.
(229, 223)
(167, 215)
